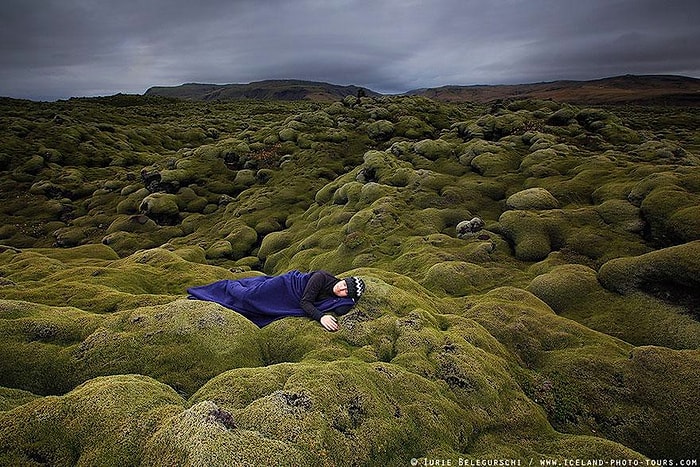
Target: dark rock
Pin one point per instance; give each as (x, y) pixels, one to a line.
(222, 417)
(367, 175)
(468, 228)
(295, 401)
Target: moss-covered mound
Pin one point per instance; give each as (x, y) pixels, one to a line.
(531, 270)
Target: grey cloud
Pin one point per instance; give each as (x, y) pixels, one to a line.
(55, 49)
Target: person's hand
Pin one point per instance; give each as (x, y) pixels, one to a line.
(329, 323)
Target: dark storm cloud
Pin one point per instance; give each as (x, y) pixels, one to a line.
(60, 48)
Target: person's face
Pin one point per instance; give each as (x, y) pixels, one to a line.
(340, 289)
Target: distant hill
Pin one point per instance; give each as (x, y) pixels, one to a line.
(291, 90)
(627, 89)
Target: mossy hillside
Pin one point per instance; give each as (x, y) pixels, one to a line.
(584, 379)
(267, 187)
(582, 231)
(374, 215)
(60, 277)
(346, 410)
(436, 394)
(237, 151)
(106, 421)
(182, 344)
(35, 339)
(574, 291)
(669, 273)
(527, 137)
(156, 427)
(65, 346)
(11, 398)
(399, 324)
(151, 156)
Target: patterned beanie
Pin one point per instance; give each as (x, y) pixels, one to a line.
(356, 287)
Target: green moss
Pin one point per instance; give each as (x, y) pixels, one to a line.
(495, 127)
(445, 356)
(387, 169)
(274, 242)
(105, 421)
(126, 243)
(193, 254)
(674, 266)
(619, 134)
(532, 199)
(80, 254)
(573, 291)
(183, 344)
(380, 130)
(621, 214)
(579, 189)
(135, 224)
(457, 278)
(219, 249)
(529, 234)
(161, 207)
(685, 224)
(669, 212)
(413, 127)
(348, 193)
(338, 409)
(434, 149)
(489, 164)
(565, 286)
(11, 398)
(582, 397)
(564, 116)
(190, 201)
(544, 163)
(240, 237)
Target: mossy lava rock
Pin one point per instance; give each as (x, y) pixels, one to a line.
(531, 273)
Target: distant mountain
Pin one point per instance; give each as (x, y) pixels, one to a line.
(627, 89)
(292, 90)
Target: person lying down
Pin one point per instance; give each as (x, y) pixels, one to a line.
(264, 299)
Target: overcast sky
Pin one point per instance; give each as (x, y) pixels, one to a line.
(55, 49)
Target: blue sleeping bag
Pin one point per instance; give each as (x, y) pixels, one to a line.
(264, 299)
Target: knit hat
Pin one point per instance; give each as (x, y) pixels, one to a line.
(356, 287)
